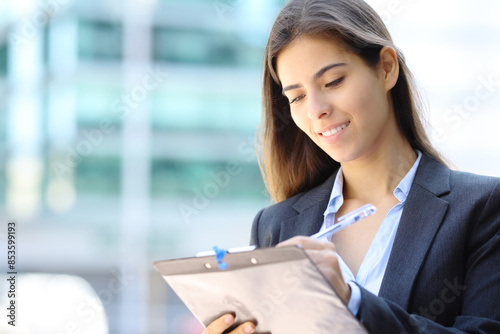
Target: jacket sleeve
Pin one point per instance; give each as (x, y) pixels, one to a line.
(480, 293)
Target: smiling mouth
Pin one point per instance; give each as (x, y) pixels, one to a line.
(335, 131)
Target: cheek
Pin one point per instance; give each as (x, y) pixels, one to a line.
(299, 119)
(367, 102)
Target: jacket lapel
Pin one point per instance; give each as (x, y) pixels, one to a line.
(310, 209)
(422, 216)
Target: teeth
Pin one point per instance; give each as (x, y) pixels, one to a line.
(334, 131)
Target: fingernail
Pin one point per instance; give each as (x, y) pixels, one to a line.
(299, 245)
(249, 329)
(229, 319)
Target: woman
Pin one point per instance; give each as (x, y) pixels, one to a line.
(342, 129)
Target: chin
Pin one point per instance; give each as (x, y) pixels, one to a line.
(342, 156)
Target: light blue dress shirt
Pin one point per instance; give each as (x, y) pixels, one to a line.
(372, 269)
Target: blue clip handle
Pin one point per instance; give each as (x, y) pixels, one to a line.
(219, 256)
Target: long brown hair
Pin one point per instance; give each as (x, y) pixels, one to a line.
(292, 162)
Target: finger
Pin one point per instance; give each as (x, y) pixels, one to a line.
(307, 243)
(245, 328)
(220, 325)
(324, 256)
(328, 263)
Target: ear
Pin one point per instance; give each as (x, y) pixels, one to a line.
(389, 67)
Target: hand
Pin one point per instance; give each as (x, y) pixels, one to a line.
(219, 325)
(324, 256)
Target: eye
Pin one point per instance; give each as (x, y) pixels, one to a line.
(298, 98)
(334, 83)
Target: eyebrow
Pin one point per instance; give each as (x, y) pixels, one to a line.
(316, 76)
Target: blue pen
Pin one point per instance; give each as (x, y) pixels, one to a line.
(346, 220)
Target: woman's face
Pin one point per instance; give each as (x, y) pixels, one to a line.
(336, 99)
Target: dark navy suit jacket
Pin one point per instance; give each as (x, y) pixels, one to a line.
(443, 274)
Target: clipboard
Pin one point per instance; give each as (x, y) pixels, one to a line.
(278, 288)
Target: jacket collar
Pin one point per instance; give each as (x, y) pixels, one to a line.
(310, 208)
(433, 176)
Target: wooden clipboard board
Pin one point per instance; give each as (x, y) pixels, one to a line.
(279, 288)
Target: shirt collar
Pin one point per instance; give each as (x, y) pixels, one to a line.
(401, 191)
(336, 197)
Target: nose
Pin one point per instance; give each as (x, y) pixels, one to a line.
(319, 106)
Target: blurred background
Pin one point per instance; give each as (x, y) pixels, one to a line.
(127, 136)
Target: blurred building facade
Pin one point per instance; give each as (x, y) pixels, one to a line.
(127, 136)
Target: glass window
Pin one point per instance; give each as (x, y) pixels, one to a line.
(98, 175)
(98, 40)
(3, 60)
(188, 178)
(203, 47)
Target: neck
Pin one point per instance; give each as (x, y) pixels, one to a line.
(375, 176)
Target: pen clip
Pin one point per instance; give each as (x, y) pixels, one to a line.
(219, 256)
(359, 213)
